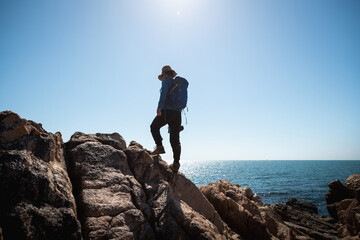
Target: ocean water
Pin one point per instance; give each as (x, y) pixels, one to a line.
(275, 181)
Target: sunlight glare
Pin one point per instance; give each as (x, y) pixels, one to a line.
(179, 7)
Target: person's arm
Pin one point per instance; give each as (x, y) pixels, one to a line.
(164, 90)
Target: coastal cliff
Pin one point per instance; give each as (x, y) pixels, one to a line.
(96, 186)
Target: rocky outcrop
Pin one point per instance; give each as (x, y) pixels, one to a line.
(302, 206)
(244, 212)
(36, 192)
(124, 193)
(96, 186)
(343, 205)
(304, 222)
(337, 193)
(353, 184)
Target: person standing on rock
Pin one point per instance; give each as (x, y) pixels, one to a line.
(167, 114)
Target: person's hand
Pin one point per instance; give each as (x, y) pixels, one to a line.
(158, 112)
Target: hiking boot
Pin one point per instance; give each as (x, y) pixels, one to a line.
(174, 167)
(158, 150)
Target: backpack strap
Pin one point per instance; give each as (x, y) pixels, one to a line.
(165, 110)
(183, 111)
(175, 86)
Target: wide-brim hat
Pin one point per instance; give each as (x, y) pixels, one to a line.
(166, 69)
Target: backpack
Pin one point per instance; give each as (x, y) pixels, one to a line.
(178, 95)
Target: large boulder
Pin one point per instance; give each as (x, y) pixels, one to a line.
(337, 193)
(353, 184)
(346, 208)
(36, 193)
(302, 205)
(125, 193)
(301, 218)
(111, 202)
(244, 212)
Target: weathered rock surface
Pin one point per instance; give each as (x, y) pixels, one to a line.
(124, 193)
(353, 184)
(119, 191)
(343, 203)
(304, 222)
(302, 205)
(337, 193)
(36, 193)
(244, 212)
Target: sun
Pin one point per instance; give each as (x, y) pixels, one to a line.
(179, 7)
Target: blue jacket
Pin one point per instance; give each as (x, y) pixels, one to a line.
(166, 85)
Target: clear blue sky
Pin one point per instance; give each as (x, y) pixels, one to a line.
(268, 79)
